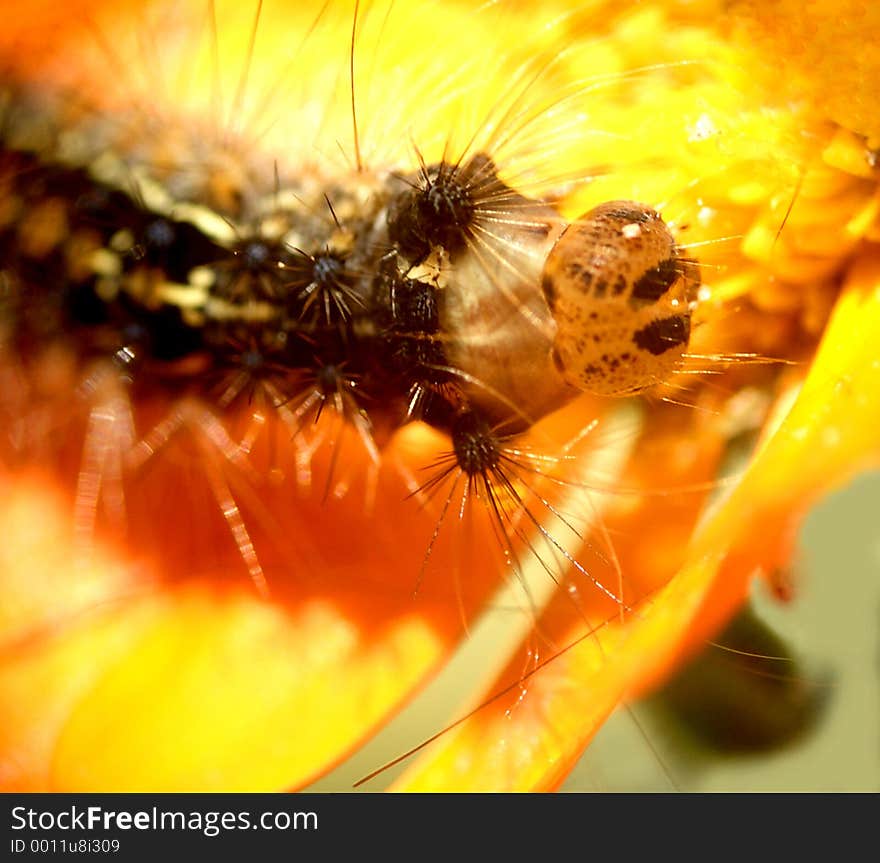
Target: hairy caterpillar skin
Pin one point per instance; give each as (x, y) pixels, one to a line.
(385, 285)
(280, 339)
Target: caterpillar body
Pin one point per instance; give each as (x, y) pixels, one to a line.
(388, 292)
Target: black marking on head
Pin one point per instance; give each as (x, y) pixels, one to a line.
(663, 334)
(654, 283)
(619, 286)
(550, 292)
(576, 270)
(476, 447)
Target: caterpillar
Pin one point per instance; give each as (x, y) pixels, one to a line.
(260, 353)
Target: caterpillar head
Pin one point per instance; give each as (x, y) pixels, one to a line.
(621, 295)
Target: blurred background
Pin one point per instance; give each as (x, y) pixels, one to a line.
(802, 714)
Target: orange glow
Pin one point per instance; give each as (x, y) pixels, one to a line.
(146, 659)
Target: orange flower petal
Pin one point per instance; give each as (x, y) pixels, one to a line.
(226, 691)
